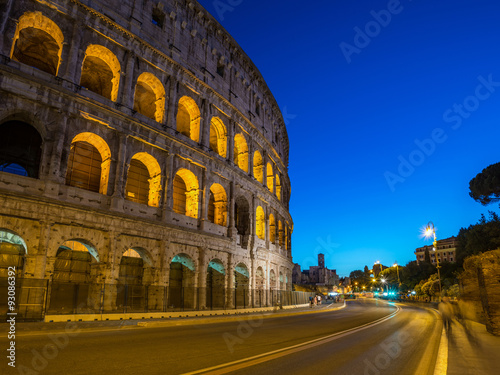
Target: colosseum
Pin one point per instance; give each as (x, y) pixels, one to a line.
(145, 162)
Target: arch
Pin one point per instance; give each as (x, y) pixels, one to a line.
(186, 192)
(13, 251)
(241, 152)
(259, 278)
(38, 42)
(272, 279)
(149, 97)
(131, 269)
(272, 229)
(270, 177)
(260, 223)
(144, 180)
(241, 285)
(216, 284)
(73, 261)
(181, 282)
(278, 186)
(242, 215)
(281, 281)
(101, 71)
(188, 118)
(21, 149)
(217, 205)
(89, 163)
(218, 136)
(258, 166)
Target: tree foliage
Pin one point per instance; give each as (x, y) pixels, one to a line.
(485, 187)
(480, 237)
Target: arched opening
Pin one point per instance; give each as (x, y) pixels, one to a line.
(241, 152)
(278, 187)
(13, 251)
(242, 215)
(186, 191)
(216, 285)
(131, 293)
(38, 42)
(188, 118)
(181, 282)
(218, 136)
(143, 180)
(101, 71)
(260, 223)
(217, 205)
(282, 283)
(88, 163)
(281, 234)
(259, 294)
(241, 285)
(270, 177)
(272, 229)
(149, 98)
(258, 167)
(272, 280)
(72, 290)
(21, 149)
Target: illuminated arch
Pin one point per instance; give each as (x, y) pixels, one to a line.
(260, 223)
(144, 180)
(21, 149)
(217, 205)
(241, 152)
(38, 42)
(186, 192)
(272, 229)
(13, 250)
(89, 163)
(216, 284)
(188, 118)
(278, 187)
(73, 261)
(258, 167)
(270, 177)
(149, 98)
(218, 136)
(101, 71)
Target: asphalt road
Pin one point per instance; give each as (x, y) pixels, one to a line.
(403, 340)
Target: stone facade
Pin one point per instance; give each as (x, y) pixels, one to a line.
(191, 147)
(318, 275)
(446, 251)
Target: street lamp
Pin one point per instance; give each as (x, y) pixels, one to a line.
(383, 282)
(430, 230)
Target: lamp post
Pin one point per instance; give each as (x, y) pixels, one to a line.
(430, 230)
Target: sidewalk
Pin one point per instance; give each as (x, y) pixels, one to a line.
(472, 350)
(24, 328)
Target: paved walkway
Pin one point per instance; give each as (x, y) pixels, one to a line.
(472, 350)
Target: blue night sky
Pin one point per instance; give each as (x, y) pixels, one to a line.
(423, 76)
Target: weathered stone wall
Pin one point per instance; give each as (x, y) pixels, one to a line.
(480, 284)
(183, 54)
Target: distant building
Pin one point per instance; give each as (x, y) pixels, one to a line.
(446, 251)
(318, 275)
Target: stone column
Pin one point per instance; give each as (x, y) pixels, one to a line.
(204, 201)
(230, 282)
(120, 171)
(71, 69)
(232, 232)
(168, 207)
(172, 103)
(230, 142)
(202, 279)
(205, 124)
(126, 90)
